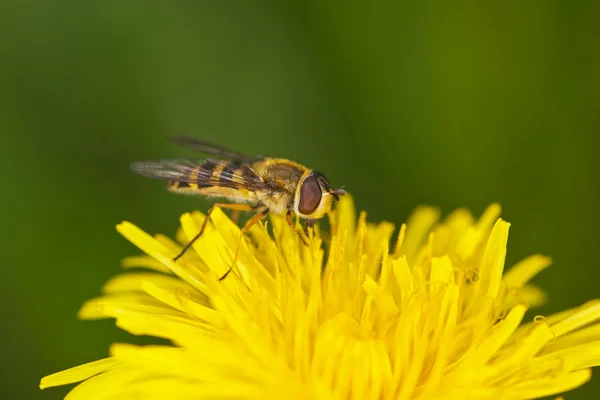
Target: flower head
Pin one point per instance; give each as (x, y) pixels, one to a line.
(431, 318)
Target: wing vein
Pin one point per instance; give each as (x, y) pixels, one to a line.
(202, 172)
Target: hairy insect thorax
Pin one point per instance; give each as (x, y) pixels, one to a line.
(284, 174)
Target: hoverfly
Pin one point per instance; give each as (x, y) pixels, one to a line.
(259, 184)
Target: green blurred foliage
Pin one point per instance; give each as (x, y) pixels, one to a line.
(445, 103)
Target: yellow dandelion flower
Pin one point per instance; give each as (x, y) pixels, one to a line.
(432, 318)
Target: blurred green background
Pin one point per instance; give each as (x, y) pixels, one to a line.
(444, 103)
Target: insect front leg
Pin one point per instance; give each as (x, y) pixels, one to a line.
(288, 218)
(310, 224)
(239, 207)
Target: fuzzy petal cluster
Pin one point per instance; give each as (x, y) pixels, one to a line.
(347, 317)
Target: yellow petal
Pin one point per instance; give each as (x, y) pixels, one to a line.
(340, 317)
(523, 271)
(79, 373)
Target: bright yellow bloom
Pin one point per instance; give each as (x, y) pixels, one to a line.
(434, 318)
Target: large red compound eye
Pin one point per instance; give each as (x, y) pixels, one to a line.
(310, 195)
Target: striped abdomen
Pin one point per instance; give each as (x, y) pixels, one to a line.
(212, 173)
(218, 178)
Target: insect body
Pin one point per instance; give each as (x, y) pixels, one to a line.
(260, 184)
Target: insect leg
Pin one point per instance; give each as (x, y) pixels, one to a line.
(235, 213)
(259, 216)
(235, 216)
(288, 218)
(310, 223)
(239, 207)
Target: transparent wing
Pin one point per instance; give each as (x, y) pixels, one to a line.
(209, 148)
(202, 172)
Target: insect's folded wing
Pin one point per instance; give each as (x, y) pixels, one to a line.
(209, 148)
(171, 170)
(217, 173)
